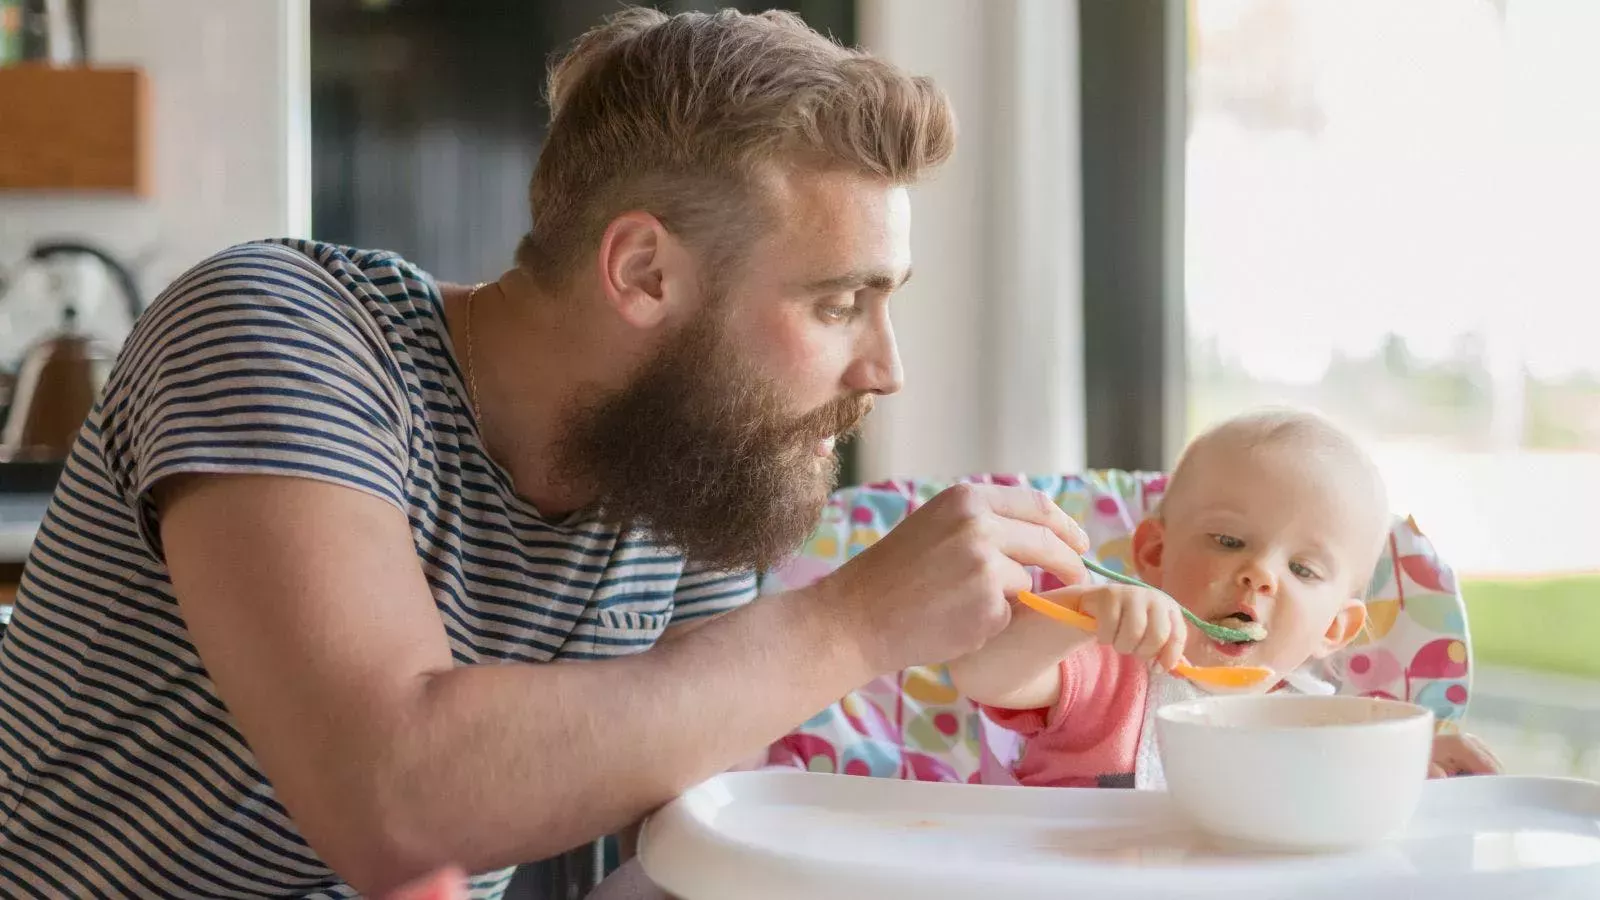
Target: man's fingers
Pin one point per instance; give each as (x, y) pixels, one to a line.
(1022, 504)
(1014, 578)
(1032, 544)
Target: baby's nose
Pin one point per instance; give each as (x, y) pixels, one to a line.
(1257, 580)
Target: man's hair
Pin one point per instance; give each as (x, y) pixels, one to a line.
(681, 116)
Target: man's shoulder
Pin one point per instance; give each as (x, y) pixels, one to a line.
(350, 267)
(337, 260)
(372, 264)
(301, 277)
(252, 302)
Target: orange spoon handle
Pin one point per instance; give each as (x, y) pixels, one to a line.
(1221, 676)
(1060, 613)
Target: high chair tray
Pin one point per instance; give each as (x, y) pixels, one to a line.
(782, 835)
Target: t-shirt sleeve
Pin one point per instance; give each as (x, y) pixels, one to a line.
(703, 592)
(255, 362)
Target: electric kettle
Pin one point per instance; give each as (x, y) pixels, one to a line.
(61, 376)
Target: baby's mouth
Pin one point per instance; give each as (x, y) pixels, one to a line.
(1243, 620)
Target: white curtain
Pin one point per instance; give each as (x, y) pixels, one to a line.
(991, 325)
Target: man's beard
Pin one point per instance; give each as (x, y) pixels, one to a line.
(699, 451)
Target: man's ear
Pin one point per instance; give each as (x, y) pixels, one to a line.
(1149, 547)
(1346, 626)
(639, 268)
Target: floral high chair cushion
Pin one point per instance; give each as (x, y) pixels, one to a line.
(913, 725)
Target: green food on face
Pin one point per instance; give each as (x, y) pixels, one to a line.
(1255, 631)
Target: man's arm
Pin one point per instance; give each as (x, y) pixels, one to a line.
(311, 613)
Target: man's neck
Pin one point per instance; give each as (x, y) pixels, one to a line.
(530, 356)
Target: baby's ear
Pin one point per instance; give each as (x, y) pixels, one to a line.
(1149, 546)
(1346, 626)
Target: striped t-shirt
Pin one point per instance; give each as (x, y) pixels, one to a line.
(121, 772)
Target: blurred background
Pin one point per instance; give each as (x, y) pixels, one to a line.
(1161, 213)
(1388, 205)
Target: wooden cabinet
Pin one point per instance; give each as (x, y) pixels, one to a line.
(74, 129)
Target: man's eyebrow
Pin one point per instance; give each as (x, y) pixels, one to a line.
(855, 281)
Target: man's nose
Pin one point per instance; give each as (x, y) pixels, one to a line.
(876, 368)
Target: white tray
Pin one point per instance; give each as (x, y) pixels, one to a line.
(780, 835)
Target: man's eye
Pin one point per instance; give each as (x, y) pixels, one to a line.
(838, 313)
(1228, 541)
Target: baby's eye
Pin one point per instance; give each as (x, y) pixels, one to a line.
(1228, 542)
(1303, 571)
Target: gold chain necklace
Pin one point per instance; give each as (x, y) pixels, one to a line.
(472, 367)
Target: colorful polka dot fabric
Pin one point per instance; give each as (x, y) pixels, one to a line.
(913, 725)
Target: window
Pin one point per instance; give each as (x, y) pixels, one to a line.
(1389, 212)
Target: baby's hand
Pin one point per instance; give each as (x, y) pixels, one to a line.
(1137, 621)
(1461, 754)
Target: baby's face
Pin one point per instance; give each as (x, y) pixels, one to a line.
(1267, 535)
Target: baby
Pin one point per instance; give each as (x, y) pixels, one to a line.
(1271, 523)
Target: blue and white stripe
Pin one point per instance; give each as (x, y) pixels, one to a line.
(121, 772)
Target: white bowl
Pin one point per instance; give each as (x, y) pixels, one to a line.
(1296, 773)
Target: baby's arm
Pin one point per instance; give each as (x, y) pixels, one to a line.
(1019, 668)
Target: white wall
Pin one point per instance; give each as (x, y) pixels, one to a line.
(229, 100)
(991, 325)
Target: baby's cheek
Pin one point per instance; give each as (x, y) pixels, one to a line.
(1294, 639)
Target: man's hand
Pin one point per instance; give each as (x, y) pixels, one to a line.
(936, 586)
(1462, 754)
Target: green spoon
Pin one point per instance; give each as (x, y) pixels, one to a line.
(1217, 632)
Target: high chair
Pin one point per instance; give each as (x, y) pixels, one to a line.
(913, 725)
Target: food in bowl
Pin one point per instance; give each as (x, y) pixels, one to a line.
(1296, 773)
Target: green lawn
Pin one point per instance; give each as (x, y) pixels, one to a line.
(1552, 625)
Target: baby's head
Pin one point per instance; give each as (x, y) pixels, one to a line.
(1275, 518)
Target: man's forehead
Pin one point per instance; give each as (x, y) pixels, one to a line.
(841, 231)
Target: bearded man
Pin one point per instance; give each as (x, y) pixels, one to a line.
(353, 574)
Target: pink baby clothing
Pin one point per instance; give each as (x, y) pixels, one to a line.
(1101, 732)
(1090, 737)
